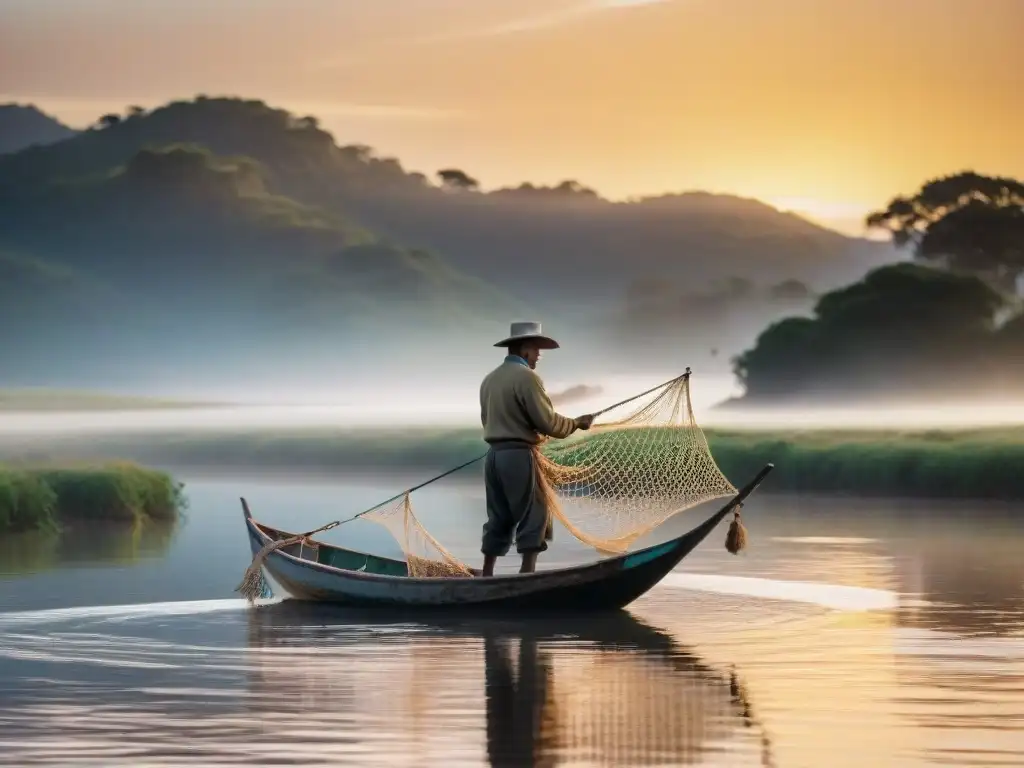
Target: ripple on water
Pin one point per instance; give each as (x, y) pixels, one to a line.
(309, 691)
(703, 670)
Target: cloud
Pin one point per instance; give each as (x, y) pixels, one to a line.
(540, 21)
(575, 393)
(83, 111)
(555, 18)
(522, 25)
(531, 23)
(628, 3)
(371, 111)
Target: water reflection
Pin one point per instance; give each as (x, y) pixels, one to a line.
(85, 545)
(169, 681)
(955, 566)
(524, 723)
(596, 691)
(968, 572)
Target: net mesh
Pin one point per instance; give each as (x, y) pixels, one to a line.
(608, 485)
(623, 478)
(424, 555)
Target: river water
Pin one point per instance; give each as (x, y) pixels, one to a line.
(850, 633)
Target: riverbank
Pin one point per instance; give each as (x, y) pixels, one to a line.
(41, 400)
(964, 464)
(40, 498)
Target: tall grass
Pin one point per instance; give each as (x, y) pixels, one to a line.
(924, 465)
(981, 464)
(44, 498)
(26, 502)
(986, 464)
(42, 400)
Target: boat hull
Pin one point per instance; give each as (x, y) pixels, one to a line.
(604, 585)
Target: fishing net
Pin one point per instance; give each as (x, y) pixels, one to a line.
(623, 478)
(608, 485)
(423, 553)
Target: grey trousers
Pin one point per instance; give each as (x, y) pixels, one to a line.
(514, 507)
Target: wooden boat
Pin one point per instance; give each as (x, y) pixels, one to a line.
(328, 573)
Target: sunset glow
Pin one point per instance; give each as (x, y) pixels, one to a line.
(826, 108)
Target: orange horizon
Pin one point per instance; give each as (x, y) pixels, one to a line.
(828, 109)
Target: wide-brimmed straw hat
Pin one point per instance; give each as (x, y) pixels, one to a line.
(528, 331)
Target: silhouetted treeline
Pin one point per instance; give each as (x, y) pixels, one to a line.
(703, 324)
(565, 232)
(953, 330)
(220, 230)
(906, 332)
(181, 258)
(965, 222)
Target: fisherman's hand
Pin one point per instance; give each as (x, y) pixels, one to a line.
(584, 422)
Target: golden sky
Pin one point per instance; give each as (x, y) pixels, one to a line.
(829, 107)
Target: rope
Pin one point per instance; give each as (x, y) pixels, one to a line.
(253, 583)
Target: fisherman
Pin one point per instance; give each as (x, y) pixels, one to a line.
(517, 416)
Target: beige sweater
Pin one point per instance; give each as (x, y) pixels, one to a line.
(514, 406)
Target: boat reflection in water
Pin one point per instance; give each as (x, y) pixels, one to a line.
(602, 690)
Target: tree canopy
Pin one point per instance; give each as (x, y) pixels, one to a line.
(966, 222)
(903, 329)
(693, 238)
(453, 178)
(228, 201)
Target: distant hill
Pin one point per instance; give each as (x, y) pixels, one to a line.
(22, 126)
(591, 247)
(565, 233)
(209, 224)
(184, 257)
(226, 229)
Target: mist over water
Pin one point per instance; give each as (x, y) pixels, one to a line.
(453, 402)
(945, 416)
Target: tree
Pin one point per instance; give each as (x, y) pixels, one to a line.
(790, 290)
(359, 153)
(571, 187)
(966, 222)
(108, 120)
(453, 178)
(194, 170)
(903, 326)
(779, 357)
(737, 289)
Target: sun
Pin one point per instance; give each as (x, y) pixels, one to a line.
(844, 216)
(824, 208)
